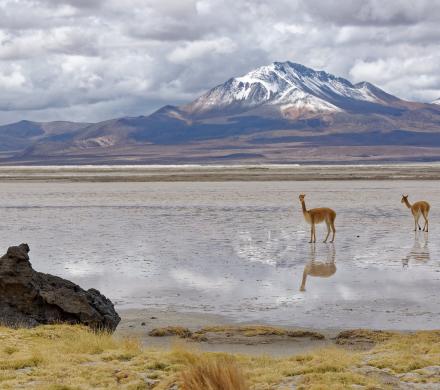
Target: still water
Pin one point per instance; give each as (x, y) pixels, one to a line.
(238, 248)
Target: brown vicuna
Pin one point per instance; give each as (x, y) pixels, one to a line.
(314, 216)
(418, 209)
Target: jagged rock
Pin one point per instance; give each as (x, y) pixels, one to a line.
(30, 298)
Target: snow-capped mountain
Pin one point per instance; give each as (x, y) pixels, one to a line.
(292, 87)
(436, 101)
(282, 112)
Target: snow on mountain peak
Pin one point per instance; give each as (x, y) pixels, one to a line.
(436, 101)
(286, 84)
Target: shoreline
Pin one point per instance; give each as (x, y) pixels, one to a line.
(132, 320)
(219, 173)
(138, 323)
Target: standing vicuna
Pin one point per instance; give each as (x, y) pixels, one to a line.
(314, 216)
(418, 209)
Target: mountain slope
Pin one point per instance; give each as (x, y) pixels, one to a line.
(282, 112)
(19, 135)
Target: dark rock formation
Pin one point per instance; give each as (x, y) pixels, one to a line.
(29, 298)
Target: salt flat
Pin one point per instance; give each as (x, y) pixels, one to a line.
(236, 248)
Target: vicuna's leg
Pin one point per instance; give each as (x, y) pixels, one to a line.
(303, 284)
(416, 222)
(311, 232)
(425, 216)
(328, 231)
(418, 217)
(314, 232)
(332, 224)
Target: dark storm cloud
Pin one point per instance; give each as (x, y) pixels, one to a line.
(93, 60)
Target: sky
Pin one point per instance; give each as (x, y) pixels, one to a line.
(91, 60)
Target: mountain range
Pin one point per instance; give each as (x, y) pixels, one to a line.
(280, 113)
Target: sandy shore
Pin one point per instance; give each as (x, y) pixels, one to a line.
(139, 322)
(420, 171)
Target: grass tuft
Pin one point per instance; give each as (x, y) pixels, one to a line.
(255, 330)
(171, 331)
(358, 336)
(219, 373)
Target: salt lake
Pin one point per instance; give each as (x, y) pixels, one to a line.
(239, 249)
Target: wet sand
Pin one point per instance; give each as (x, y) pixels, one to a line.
(139, 322)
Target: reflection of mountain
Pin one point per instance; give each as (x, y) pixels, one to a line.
(420, 250)
(321, 269)
(282, 112)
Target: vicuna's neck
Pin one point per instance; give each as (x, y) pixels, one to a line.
(303, 204)
(407, 203)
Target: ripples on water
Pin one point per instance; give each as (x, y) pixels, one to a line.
(238, 248)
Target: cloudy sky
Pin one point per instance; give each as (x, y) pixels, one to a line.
(89, 60)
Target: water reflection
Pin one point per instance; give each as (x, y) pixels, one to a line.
(321, 269)
(419, 251)
(232, 248)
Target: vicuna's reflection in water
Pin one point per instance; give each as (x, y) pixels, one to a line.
(420, 250)
(321, 269)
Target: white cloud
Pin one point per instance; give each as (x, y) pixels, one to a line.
(12, 79)
(93, 60)
(193, 50)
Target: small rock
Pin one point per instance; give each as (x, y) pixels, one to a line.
(143, 323)
(119, 375)
(410, 376)
(150, 382)
(430, 370)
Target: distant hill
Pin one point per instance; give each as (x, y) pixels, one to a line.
(17, 136)
(283, 112)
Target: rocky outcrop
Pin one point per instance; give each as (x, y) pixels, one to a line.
(30, 298)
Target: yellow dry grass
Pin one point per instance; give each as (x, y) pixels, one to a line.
(403, 353)
(170, 331)
(62, 357)
(214, 374)
(245, 330)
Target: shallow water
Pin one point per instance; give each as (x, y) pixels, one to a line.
(237, 248)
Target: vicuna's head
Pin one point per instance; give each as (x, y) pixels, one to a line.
(301, 197)
(404, 199)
